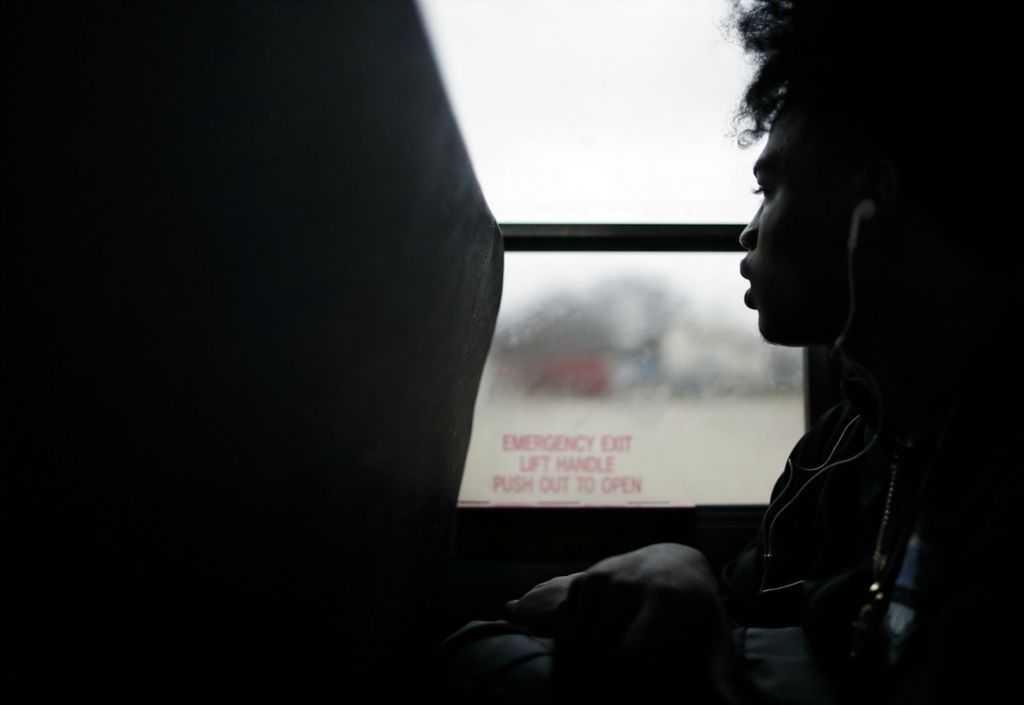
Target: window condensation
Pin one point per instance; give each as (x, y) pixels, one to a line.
(630, 379)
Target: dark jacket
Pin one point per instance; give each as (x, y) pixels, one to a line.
(945, 627)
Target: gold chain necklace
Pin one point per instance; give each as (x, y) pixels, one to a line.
(870, 613)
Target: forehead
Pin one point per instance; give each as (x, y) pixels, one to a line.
(799, 145)
(786, 146)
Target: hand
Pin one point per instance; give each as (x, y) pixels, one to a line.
(646, 625)
(538, 608)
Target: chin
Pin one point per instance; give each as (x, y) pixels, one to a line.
(773, 337)
(791, 334)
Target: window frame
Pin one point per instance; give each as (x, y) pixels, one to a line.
(583, 533)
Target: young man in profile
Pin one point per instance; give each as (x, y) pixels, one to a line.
(883, 568)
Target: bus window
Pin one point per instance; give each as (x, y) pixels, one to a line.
(630, 378)
(617, 377)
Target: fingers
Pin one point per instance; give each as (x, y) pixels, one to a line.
(596, 613)
(539, 608)
(637, 621)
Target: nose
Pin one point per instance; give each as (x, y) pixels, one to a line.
(748, 238)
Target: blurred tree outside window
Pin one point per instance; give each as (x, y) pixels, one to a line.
(637, 379)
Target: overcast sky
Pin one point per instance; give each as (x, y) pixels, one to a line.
(598, 110)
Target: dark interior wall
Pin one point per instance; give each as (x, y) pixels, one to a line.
(249, 282)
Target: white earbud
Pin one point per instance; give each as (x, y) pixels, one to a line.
(865, 210)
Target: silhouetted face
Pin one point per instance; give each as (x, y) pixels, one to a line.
(796, 243)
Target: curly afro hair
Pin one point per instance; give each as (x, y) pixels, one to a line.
(928, 85)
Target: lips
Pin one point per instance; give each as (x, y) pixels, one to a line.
(745, 269)
(748, 295)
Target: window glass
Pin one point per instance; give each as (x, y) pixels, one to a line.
(594, 111)
(630, 379)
